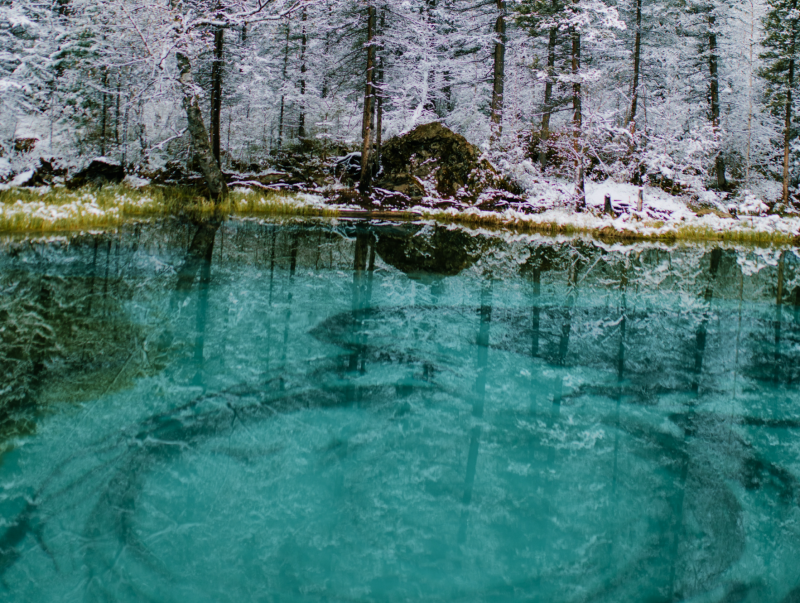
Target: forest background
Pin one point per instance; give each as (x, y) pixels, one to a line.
(689, 95)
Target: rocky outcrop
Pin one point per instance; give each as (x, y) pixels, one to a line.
(44, 174)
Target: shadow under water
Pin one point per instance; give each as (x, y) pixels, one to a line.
(322, 410)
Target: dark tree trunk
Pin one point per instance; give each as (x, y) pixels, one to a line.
(577, 120)
(498, 84)
(216, 91)
(379, 92)
(787, 129)
(713, 68)
(301, 127)
(544, 133)
(197, 129)
(787, 125)
(104, 116)
(369, 95)
(637, 53)
(283, 98)
(116, 117)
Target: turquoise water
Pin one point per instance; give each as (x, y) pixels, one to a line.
(334, 411)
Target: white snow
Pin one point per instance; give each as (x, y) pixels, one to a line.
(5, 168)
(22, 178)
(135, 181)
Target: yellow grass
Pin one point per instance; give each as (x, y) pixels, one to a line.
(59, 209)
(680, 233)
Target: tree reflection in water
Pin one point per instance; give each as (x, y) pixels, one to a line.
(610, 422)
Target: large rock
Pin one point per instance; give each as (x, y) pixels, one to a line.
(44, 174)
(430, 159)
(99, 172)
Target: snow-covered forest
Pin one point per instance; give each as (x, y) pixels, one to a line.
(687, 95)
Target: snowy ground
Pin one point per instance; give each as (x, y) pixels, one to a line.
(662, 215)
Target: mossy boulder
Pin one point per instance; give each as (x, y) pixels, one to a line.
(433, 161)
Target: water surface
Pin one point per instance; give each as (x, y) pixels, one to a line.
(350, 411)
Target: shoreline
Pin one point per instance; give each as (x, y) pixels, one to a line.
(35, 212)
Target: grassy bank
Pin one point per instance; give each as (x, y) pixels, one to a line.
(59, 209)
(37, 211)
(603, 230)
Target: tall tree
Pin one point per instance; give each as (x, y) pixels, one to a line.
(541, 17)
(197, 129)
(369, 97)
(637, 61)
(216, 86)
(713, 94)
(301, 125)
(281, 118)
(499, 71)
(781, 26)
(577, 118)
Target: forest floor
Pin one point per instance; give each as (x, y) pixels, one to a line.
(547, 210)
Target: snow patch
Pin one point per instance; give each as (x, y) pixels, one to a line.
(135, 181)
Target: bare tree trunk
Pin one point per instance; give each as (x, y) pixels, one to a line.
(577, 120)
(301, 127)
(369, 94)
(750, 93)
(104, 116)
(787, 126)
(713, 68)
(544, 133)
(637, 53)
(197, 129)
(116, 117)
(379, 90)
(498, 85)
(216, 91)
(283, 98)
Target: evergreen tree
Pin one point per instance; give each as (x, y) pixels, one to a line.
(781, 28)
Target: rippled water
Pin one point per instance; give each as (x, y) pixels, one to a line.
(323, 411)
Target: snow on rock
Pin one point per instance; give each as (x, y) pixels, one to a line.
(752, 205)
(5, 168)
(23, 178)
(135, 181)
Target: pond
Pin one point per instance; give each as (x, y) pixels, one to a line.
(326, 410)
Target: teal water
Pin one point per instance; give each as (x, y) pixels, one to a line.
(335, 411)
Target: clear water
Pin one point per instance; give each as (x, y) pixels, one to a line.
(322, 411)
